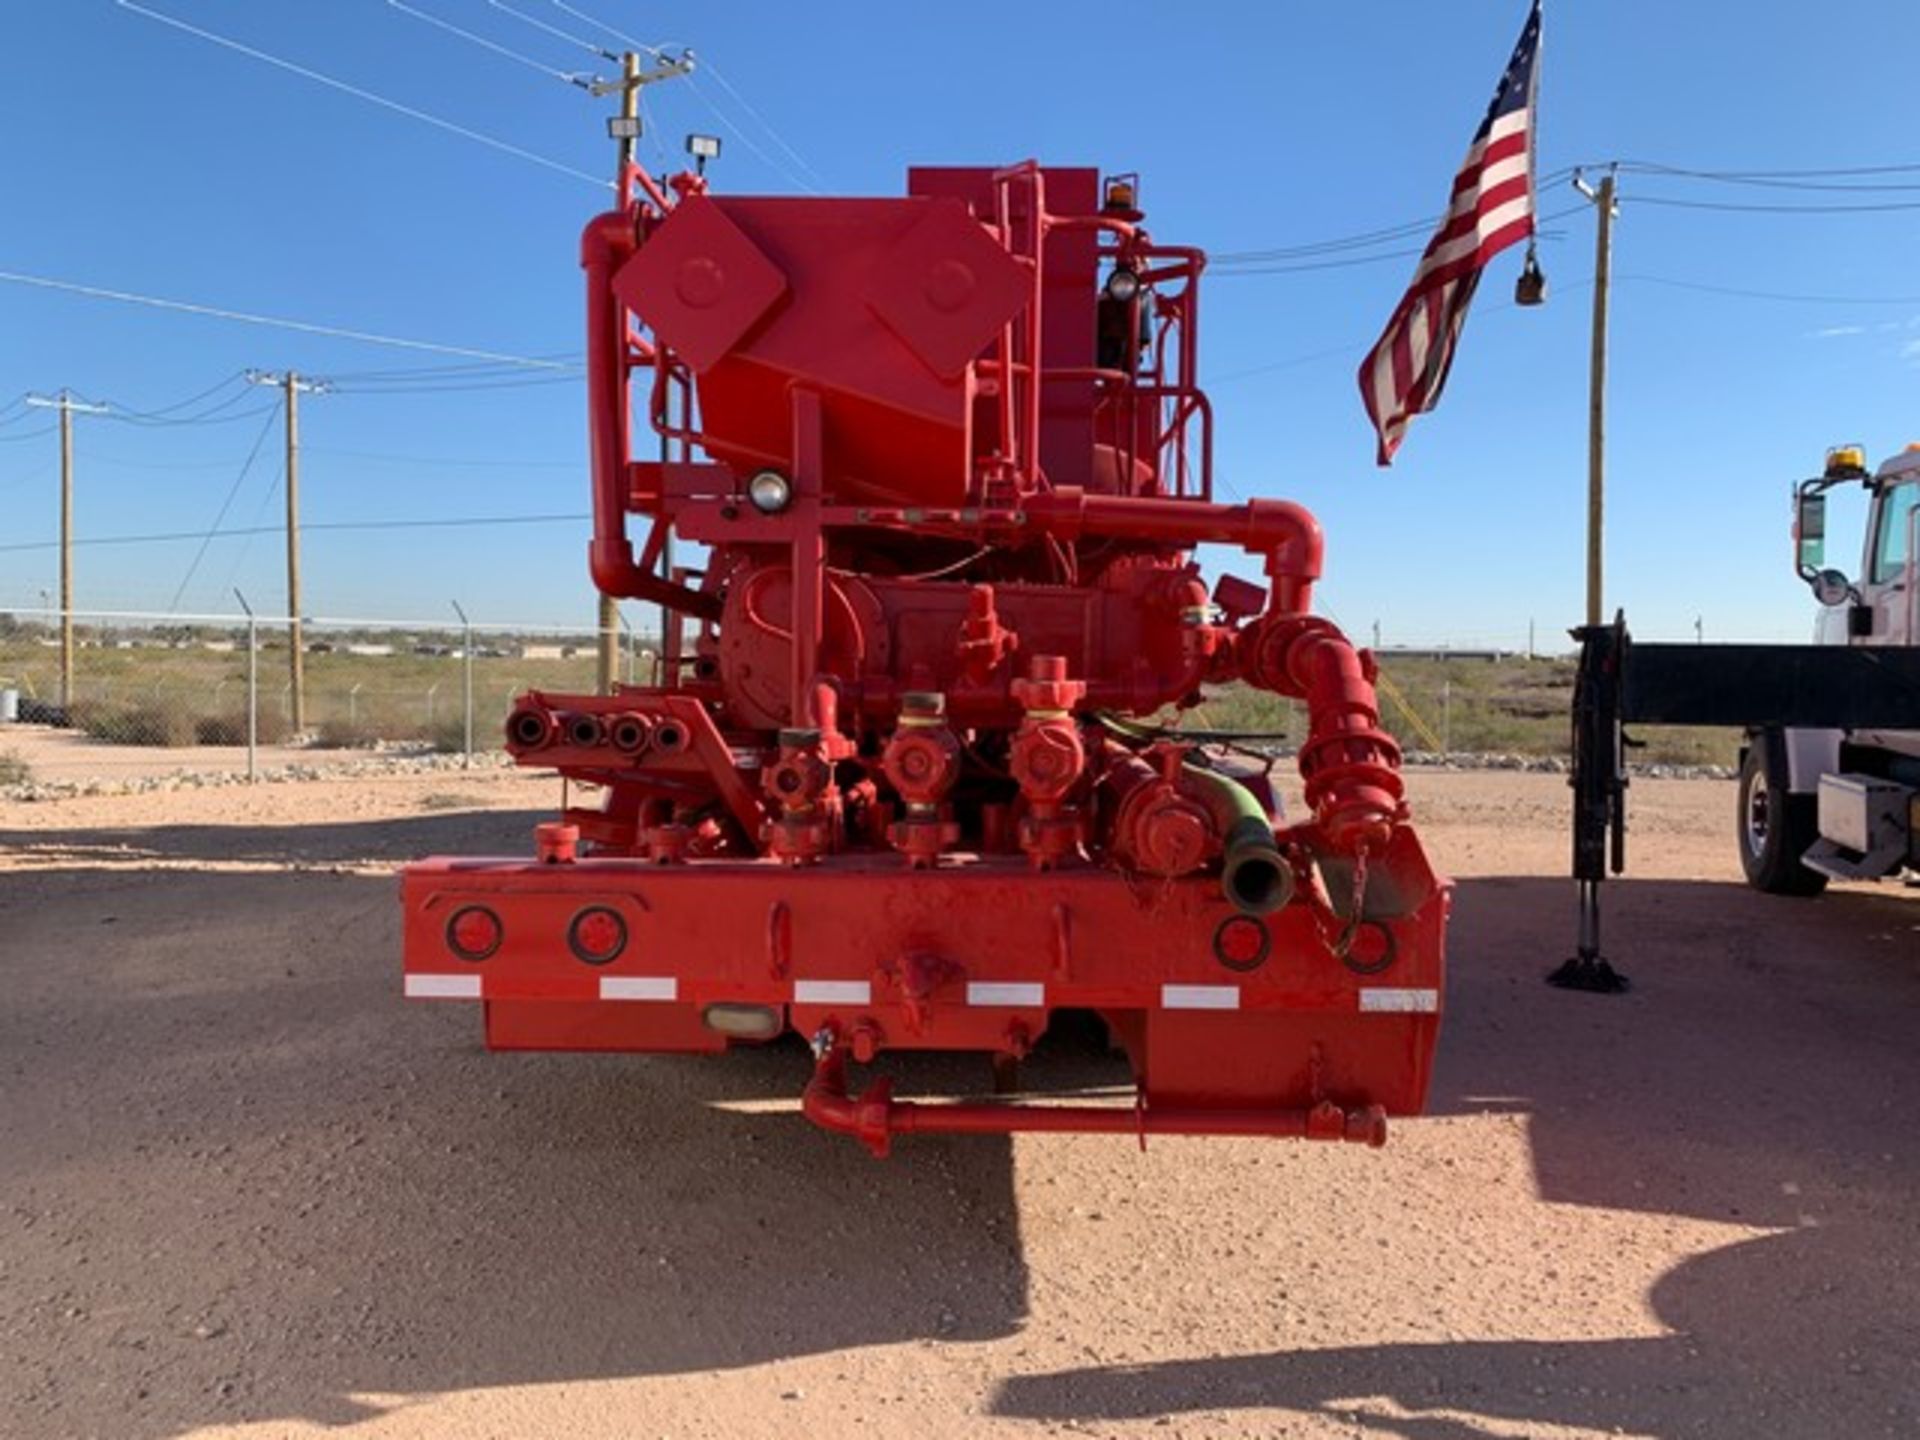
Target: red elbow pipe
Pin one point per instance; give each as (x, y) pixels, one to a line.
(1284, 533)
(605, 245)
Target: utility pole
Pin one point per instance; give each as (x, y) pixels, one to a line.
(291, 385)
(66, 405)
(1603, 200)
(624, 129)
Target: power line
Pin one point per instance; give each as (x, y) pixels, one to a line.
(571, 77)
(570, 360)
(449, 523)
(603, 28)
(772, 162)
(411, 112)
(1746, 294)
(305, 327)
(1344, 262)
(1361, 240)
(246, 468)
(1679, 203)
(710, 68)
(500, 383)
(385, 457)
(556, 31)
(1831, 179)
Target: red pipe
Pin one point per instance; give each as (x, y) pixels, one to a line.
(875, 1117)
(1285, 533)
(605, 245)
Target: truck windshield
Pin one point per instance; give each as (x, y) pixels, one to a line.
(1894, 532)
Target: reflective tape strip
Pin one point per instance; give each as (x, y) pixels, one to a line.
(1200, 997)
(832, 992)
(443, 987)
(991, 992)
(639, 987)
(1380, 998)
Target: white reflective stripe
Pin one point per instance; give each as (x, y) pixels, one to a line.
(1200, 997)
(991, 992)
(443, 987)
(639, 987)
(832, 992)
(1382, 998)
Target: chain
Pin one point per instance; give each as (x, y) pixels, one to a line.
(1342, 944)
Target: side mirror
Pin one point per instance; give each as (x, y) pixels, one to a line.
(1810, 535)
(1830, 587)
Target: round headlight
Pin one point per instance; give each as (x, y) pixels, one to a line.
(770, 492)
(1123, 285)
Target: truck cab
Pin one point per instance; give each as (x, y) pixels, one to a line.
(1820, 804)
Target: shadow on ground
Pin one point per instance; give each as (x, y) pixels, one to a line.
(264, 1184)
(249, 1184)
(1760, 1073)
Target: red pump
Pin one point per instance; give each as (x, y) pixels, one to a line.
(911, 776)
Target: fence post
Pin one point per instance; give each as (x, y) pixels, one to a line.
(430, 691)
(466, 679)
(253, 688)
(1446, 719)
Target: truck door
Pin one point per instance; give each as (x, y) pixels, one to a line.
(1888, 582)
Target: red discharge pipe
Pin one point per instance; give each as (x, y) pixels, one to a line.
(875, 1117)
(605, 245)
(1349, 765)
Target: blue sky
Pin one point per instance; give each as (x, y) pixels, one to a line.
(145, 160)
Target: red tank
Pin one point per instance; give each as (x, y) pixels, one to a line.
(915, 772)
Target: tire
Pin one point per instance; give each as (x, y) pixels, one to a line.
(1773, 828)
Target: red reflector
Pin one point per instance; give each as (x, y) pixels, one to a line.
(1241, 943)
(597, 935)
(474, 932)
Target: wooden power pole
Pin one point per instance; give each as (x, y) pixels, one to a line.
(1603, 200)
(290, 386)
(66, 405)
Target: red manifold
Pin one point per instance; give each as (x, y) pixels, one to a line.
(917, 773)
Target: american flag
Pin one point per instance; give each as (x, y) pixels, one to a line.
(1492, 208)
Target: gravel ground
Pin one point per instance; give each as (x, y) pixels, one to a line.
(245, 1191)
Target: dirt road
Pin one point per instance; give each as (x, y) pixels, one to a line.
(245, 1191)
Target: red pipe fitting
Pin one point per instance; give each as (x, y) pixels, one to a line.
(800, 782)
(630, 733)
(530, 726)
(984, 641)
(1350, 766)
(921, 762)
(1047, 759)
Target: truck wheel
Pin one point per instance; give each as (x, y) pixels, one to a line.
(1775, 828)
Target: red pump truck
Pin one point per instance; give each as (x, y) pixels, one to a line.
(912, 776)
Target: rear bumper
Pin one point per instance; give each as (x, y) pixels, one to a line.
(975, 955)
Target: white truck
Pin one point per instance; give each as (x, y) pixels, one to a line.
(1830, 768)
(1835, 801)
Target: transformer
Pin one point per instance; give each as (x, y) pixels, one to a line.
(917, 769)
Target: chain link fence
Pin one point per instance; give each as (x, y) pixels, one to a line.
(149, 693)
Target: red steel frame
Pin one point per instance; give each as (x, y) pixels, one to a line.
(918, 806)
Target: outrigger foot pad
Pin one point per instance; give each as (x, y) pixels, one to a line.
(1591, 973)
